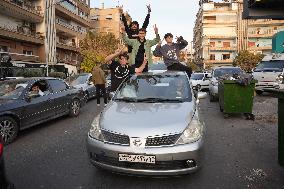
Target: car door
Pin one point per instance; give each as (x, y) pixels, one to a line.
(60, 96)
(37, 108)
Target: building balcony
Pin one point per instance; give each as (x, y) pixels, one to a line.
(24, 57)
(70, 29)
(228, 61)
(268, 35)
(222, 37)
(72, 16)
(67, 46)
(20, 34)
(223, 48)
(20, 10)
(266, 22)
(219, 22)
(260, 48)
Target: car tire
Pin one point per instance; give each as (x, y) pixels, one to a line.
(259, 92)
(75, 107)
(9, 129)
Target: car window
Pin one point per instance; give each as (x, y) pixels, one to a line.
(77, 79)
(169, 87)
(12, 89)
(197, 76)
(224, 71)
(57, 85)
(39, 88)
(157, 66)
(277, 65)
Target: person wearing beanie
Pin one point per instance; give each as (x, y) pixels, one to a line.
(133, 29)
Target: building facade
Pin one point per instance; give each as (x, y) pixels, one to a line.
(107, 20)
(220, 33)
(22, 29)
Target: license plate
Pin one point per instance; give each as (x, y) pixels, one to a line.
(137, 158)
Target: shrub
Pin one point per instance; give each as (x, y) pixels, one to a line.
(60, 75)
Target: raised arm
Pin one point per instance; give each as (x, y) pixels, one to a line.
(117, 52)
(157, 39)
(181, 43)
(141, 68)
(146, 21)
(127, 29)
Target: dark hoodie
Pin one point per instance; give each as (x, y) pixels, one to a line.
(130, 32)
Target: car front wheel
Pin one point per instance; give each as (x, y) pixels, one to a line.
(8, 129)
(75, 108)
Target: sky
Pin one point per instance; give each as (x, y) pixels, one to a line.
(170, 16)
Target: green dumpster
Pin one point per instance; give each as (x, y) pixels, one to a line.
(280, 95)
(236, 98)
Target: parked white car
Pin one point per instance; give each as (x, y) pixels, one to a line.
(200, 81)
(269, 73)
(218, 72)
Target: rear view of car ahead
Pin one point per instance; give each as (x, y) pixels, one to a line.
(199, 81)
(269, 73)
(216, 74)
(150, 127)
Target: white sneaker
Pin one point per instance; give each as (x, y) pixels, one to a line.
(98, 105)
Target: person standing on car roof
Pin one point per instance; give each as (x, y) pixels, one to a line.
(170, 53)
(99, 80)
(133, 29)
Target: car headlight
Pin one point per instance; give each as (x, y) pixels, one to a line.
(193, 132)
(95, 131)
(279, 79)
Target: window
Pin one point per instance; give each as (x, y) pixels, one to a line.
(275, 28)
(226, 56)
(212, 56)
(57, 85)
(28, 52)
(226, 44)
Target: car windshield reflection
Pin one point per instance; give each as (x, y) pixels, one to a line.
(12, 89)
(76, 79)
(155, 88)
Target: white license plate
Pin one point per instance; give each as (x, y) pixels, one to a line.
(137, 158)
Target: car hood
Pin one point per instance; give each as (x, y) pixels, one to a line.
(146, 119)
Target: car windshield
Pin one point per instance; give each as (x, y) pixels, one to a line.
(157, 66)
(197, 76)
(276, 65)
(226, 71)
(155, 88)
(76, 79)
(12, 89)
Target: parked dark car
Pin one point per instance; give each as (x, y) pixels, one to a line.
(4, 183)
(83, 81)
(31, 101)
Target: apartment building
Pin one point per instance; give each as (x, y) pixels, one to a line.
(107, 20)
(22, 29)
(220, 33)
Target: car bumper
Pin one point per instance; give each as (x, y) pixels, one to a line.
(170, 160)
(266, 85)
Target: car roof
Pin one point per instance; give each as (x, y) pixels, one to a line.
(31, 79)
(163, 72)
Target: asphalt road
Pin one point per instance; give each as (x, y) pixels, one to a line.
(238, 154)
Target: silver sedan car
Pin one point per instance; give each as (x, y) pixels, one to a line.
(150, 127)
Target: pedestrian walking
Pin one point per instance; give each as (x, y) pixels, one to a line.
(120, 70)
(170, 53)
(140, 47)
(133, 29)
(99, 80)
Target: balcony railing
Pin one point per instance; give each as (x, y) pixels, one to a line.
(233, 48)
(28, 6)
(23, 57)
(70, 26)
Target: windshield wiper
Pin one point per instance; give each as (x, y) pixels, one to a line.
(126, 99)
(159, 100)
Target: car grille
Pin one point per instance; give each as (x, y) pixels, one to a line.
(115, 138)
(162, 140)
(159, 165)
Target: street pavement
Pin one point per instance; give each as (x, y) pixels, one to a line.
(239, 154)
